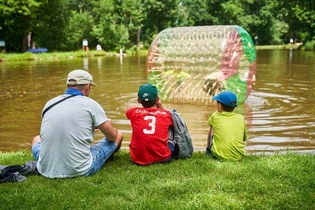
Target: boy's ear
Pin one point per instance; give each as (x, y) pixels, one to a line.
(139, 101)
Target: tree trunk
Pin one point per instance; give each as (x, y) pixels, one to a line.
(138, 38)
(24, 41)
(32, 42)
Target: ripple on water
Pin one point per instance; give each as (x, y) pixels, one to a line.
(281, 118)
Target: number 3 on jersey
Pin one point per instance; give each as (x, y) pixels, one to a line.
(151, 124)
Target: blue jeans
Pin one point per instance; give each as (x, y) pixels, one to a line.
(171, 146)
(101, 151)
(209, 150)
(35, 150)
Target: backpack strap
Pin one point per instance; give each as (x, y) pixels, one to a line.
(52, 105)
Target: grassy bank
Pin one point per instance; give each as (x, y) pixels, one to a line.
(60, 55)
(256, 182)
(94, 53)
(278, 47)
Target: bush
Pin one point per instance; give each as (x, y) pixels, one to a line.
(309, 46)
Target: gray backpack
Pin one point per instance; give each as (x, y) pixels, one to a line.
(179, 135)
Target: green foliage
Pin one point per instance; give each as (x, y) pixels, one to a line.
(79, 28)
(160, 15)
(50, 30)
(277, 30)
(309, 45)
(202, 12)
(61, 25)
(19, 7)
(131, 16)
(123, 35)
(17, 17)
(256, 182)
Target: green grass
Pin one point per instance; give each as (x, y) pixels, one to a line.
(48, 56)
(275, 47)
(256, 182)
(61, 55)
(93, 53)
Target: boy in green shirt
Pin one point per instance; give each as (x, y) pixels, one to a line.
(228, 132)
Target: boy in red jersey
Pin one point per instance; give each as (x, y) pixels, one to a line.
(150, 123)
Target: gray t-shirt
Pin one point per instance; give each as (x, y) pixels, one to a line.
(66, 132)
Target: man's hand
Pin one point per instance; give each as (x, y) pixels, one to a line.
(158, 104)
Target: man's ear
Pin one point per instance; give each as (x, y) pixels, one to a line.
(139, 101)
(86, 90)
(87, 86)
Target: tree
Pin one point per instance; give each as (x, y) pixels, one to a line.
(61, 25)
(161, 14)
(106, 28)
(52, 24)
(300, 15)
(18, 18)
(79, 27)
(194, 13)
(132, 16)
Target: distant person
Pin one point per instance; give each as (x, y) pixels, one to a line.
(150, 123)
(175, 81)
(177, 75)
(85, 45)
(214, 83)
(228, 132)
(68, 123)
(291, 41)
(98, 47)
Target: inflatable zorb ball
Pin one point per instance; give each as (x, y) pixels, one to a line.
(192, 64)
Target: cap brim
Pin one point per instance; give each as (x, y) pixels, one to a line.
(215, 98)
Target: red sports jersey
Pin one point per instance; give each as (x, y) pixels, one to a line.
(149, 134)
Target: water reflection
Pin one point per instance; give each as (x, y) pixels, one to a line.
(85, 63)
(278, 112)
(99, 63)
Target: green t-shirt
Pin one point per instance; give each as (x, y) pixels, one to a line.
(178, 76)
(230, 132)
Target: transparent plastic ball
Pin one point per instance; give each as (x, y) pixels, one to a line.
(192, 64)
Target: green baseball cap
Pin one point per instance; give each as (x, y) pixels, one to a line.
(147, 92)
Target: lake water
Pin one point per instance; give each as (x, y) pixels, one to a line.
(279, 112)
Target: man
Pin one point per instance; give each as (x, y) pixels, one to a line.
(150, 123)
(68, 122)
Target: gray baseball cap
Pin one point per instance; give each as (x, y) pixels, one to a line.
(80, 77)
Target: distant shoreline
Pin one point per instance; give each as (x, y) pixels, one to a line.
(93, 53)
(275, 47)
